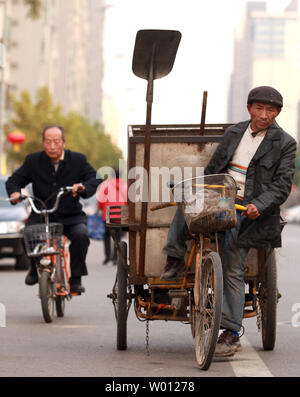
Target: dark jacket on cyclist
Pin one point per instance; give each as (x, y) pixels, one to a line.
(38, 170)
(268, 181)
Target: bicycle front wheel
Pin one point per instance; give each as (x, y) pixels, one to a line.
(47, 296)
(60, 301)
(207, 313)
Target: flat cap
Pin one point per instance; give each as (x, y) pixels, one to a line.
(265, 94)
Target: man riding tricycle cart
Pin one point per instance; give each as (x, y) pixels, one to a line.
(206, 255)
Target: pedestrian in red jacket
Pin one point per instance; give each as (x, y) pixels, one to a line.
(111, 192)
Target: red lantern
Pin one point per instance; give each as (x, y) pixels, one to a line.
(16, 138)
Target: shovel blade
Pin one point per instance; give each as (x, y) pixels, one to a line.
(157, 46)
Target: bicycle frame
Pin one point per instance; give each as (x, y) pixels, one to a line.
(54, 260)
(200, 246)
(46, 212)
(64, 290)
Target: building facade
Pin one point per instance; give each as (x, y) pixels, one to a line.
(267, 52)
(62, 50)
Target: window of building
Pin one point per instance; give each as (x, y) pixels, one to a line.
(269, 37)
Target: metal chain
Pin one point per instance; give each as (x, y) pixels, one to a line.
(147, 338)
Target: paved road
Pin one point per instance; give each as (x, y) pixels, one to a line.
(83, 342)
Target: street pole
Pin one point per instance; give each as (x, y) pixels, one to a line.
(3, 88)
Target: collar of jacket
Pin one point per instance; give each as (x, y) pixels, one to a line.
(49, 166)
(273, 133)
(65, 159)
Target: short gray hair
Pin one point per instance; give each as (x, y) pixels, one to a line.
(54, 126)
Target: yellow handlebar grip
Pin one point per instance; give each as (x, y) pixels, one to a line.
(240, 207)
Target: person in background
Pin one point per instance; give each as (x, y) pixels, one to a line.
(48, 171)
(111, 192)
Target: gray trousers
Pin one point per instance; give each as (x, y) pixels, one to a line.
(233, 267)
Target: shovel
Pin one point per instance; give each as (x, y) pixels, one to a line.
(153, 58)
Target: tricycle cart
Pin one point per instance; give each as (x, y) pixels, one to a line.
(195, 296)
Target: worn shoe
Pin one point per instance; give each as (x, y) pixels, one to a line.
(228, 344)
(172, 267)
(32, 277)
(75, 285)
(106, 260)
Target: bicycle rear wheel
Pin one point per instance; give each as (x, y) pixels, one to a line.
(60, 304)
(47, 296)
(207, 314)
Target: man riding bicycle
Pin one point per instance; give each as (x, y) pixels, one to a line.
(48, 171)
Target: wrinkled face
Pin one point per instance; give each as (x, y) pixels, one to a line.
(262, 115)
(54, 143)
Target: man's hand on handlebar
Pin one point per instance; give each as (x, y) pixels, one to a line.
(15, 197)
(77, 187)
(252, 212)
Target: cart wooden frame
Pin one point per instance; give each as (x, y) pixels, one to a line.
(140, 282)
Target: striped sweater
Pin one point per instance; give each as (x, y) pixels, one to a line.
(242, 156)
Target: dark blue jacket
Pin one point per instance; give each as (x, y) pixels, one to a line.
(38, 170)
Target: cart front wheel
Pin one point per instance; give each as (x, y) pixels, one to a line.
(122, 298)
(207, 314)
(268, 302)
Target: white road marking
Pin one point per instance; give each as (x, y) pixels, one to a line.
(247, 363)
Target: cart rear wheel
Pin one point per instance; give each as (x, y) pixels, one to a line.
(207, 315)
(268, 302)
(193, 320)
(122, 311)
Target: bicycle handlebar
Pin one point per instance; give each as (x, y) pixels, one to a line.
(61, 192)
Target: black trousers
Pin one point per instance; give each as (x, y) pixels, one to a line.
(79, 238)
(78, 235)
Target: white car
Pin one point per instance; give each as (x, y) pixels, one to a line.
(292, 214)
(12, 222)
